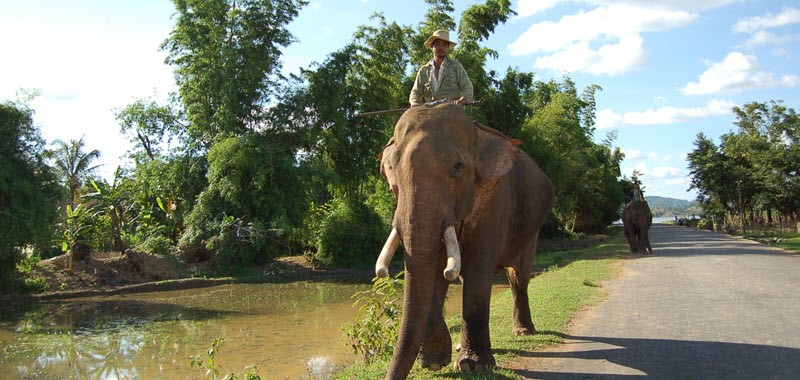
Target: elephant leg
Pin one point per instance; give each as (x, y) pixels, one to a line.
(630, 236)
(437, 347)
(476, 350)
(519, 275)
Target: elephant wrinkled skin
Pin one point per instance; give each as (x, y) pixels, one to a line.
(636, 221)
(468, 199)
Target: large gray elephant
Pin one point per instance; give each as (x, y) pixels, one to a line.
(469, 202)
(636, 221)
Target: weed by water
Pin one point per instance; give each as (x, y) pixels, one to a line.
(209, 362)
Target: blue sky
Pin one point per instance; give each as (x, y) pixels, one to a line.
(668, 71)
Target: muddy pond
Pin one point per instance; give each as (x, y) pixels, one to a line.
(288, 331)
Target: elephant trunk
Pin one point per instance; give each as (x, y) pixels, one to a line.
(422, 235)
(418, 291)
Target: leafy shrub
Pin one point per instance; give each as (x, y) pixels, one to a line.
(374, 332)
(350, 235)
(242, 243)
(155, 245)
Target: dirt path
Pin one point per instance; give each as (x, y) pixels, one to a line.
(704, 306)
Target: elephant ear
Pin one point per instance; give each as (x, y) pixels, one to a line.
(496, 154)
(386, 168)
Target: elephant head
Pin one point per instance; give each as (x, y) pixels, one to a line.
(441, 167)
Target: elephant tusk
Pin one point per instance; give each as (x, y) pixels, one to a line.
(385, 258)
(453, 268)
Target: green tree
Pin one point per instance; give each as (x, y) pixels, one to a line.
(150, 126)
(29, 191)
(714, 179)
(227, 61)
(768, 156)
(74, 165)
(559, 136)
(249, 206)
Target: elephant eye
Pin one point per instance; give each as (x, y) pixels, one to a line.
(457, 169)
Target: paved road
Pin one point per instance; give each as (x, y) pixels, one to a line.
(704, 306)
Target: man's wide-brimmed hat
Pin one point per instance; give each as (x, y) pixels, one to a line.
(440, 34)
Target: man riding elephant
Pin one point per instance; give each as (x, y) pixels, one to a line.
(442, 77)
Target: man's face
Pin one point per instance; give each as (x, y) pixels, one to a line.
(440, 48)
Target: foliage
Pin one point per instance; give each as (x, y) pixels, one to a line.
(349, 234)
(28, 190)
(150, 126)
(558, 136)
(227, 59)
(752, 170)
(374, 332)
(76, 225)
(209, 362)
(106, 200)
(73, 164)
(250, 192)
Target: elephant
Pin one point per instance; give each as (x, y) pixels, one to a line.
(636, 221)
(469, 203)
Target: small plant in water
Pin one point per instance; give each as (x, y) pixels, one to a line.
(374, 332)
(212, 368)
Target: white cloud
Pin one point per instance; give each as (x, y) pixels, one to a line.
(666, 172)
(635, 154)
(527, 8)
(607, 118)
(763, 37)
(632, 154)
(787, 16)
(603, 41)
(735, 73)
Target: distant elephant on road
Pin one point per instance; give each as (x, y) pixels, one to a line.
(636, 220)
(469, 202)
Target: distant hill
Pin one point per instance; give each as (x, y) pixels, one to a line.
(669, 207)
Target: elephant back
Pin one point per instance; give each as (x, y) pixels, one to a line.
(634, 211)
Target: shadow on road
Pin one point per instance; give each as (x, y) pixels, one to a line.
(673, 359)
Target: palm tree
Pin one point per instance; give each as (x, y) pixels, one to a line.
(74, 165)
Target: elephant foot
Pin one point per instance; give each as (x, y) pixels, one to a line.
(523, 330)
(469, 363)
(434, 361)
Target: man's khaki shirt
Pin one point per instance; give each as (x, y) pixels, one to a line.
(454, 83)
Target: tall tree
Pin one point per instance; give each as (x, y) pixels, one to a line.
(766, 145)
(559, 136)
(28, 189)
(74, 165)
(227, 60)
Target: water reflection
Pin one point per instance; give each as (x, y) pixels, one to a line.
(287, 331)
(277, 327)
